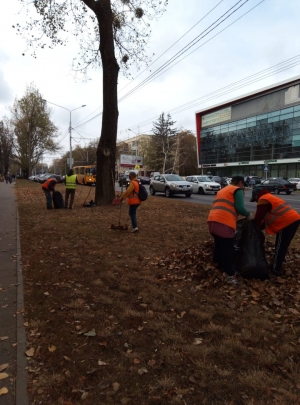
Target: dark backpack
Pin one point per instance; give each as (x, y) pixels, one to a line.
(142, 193)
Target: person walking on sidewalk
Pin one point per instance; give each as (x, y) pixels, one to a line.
(227, 206)
(278, 218)
(70, 182)
(132, 199)
(48, 187)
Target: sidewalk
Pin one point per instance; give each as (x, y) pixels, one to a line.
(12, 331)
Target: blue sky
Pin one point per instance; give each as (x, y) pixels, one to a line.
(264, 37)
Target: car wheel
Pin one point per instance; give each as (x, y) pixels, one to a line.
(188, 194)
(152, 191)
(167, 192)
(216, 192)
(276, 191)
(201, 191)
(288, 192)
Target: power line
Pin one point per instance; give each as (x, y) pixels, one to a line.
(263, 74)
(185, 49)
(177, 55)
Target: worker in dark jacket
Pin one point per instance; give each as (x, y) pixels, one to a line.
(48, 187)
(278, 218)
(70, 182)
(227, 206)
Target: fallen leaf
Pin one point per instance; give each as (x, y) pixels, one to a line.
(3, 375)
(3, 366)
(103, 344)
(46, 293)
(136, 361)
(67, 358)
(3, 391)
(151, 363)
(115, 386)
(3, 338)
(30, 352)
(104, 384)
(142, 371)
(52, 348)
(197, 341)
(26, 324)
(101, 363)
(90, 333)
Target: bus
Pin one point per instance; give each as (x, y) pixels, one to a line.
(86, 175)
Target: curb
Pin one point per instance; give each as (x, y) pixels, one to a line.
(22, 376)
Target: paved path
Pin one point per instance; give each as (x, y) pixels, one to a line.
(12, 331)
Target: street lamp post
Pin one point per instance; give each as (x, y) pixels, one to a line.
(70, 125)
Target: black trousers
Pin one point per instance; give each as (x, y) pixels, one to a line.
(224, 253)
(283, 240)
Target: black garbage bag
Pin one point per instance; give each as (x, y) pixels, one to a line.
(250, 258)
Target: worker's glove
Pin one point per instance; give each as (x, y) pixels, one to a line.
(250, 217)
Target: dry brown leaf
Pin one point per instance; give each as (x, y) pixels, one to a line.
(115, 386)
(101, 363)
(142, 371)
(3, 338)
(3, 391)
(136, 361)
(30, 352)
(3, 366)
(151, 363)
(52, 348)
(197, 341)
(3, 375)
(26, 324)
(103, 343)
(67, 358)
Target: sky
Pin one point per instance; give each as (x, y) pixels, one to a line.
(259, 41)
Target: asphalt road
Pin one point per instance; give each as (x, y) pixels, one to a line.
(292, 199)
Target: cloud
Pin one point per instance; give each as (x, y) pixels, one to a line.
(5, 90)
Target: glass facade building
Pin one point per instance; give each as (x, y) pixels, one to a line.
(255, 134)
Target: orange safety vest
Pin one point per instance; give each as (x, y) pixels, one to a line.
(280, 216)
(133, 197)
(223, 210)
(47, 183)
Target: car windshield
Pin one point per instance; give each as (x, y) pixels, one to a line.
(173, 177)
(204, 179)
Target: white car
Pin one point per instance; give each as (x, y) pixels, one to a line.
(203, 184)
(296, 181)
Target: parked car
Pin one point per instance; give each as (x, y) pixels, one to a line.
(221, 180)
(144, 180)
(277, 185)
(254, 180)
(43, 177)
(295, 180)
(170, 184)
(203, 184)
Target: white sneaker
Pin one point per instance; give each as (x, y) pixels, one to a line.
(134, 230)
(232, 280)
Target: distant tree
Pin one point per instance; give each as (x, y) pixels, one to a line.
(33, 130)
(6, 147)
(185, 162)
(164, 140)
(101, 27)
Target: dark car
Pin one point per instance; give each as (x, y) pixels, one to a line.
(124, 180)
(41, 179)
(221, 180)
(276, 185)
(144, 179)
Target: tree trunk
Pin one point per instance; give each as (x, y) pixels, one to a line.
(106, 151)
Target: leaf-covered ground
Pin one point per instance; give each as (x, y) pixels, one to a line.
(115, 318)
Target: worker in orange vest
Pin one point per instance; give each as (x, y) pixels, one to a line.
(227, 206)
(48, 187)
(278, 218)
(132, 199)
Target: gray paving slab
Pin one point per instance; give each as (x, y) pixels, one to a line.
(12, 331)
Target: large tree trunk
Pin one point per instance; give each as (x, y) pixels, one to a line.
(106, 151)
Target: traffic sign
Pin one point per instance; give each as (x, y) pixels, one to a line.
(266, 168)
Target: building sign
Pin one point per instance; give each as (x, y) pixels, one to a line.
(216, 117)
(131, 161)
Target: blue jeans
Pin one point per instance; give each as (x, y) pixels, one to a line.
(132, 214)
(48, 197)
